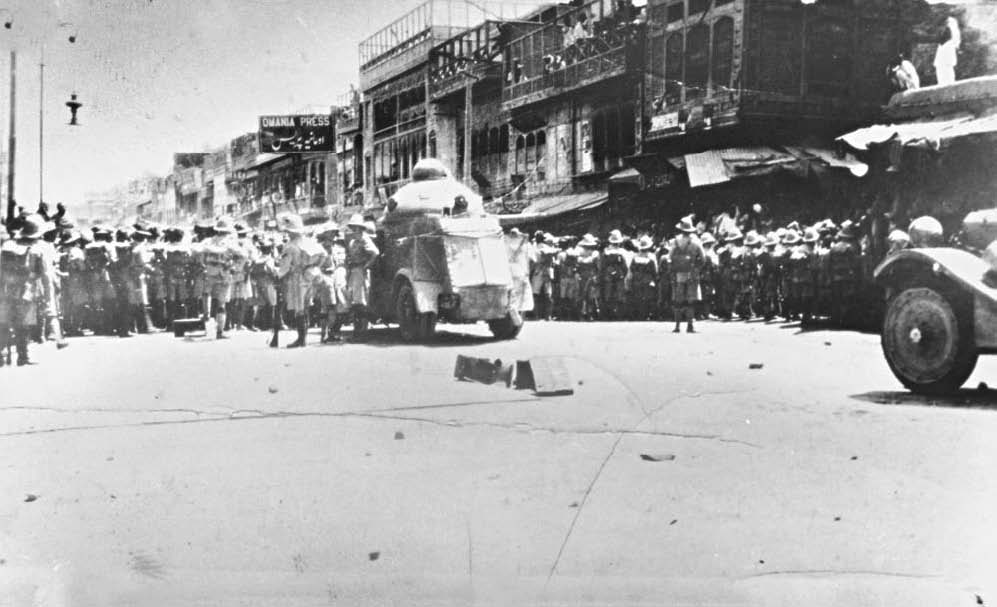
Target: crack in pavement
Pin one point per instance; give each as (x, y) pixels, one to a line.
(837, 572)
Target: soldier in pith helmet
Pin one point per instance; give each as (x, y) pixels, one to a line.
(22, 268)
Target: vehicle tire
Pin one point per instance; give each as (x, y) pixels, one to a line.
(508, 327)
(928, 342)
(406, 313)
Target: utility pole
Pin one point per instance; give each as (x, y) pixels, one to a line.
(41, 127)
(12, 138)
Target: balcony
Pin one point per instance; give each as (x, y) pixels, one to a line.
(593, 43)
(472, 55)
(406, 43)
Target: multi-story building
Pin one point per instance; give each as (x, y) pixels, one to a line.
(400, 124)
(348, 193)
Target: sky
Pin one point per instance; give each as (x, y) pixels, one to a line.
(162, 76)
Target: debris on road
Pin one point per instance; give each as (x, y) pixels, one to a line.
(827, 343)
(854, 457)
(666, 457)
(837, 518)
(399, 435)
(546, 376)
(374, 556)
(573, 505)
(272, 389)
(30, 497)
(674, 520)
(756, 366)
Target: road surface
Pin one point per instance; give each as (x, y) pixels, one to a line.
(158, 471)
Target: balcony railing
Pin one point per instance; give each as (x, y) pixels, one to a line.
(593, 43)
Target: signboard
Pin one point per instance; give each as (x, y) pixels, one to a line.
(296, 134)
(665, 121)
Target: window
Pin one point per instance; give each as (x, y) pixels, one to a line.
(531, 143)
(698, 6)
(541, 155)
(504, 139)
(674, 52)
(657, 67)
(829, 64)
(697, 61)
(723, 52)
(520, 154)
(676, 12)
(493, 141)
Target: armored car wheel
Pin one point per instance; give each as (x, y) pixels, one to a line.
(928, 340)
(508, 327)
(413, 325)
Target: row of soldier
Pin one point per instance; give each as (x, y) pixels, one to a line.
(793, 273)
(58, 281)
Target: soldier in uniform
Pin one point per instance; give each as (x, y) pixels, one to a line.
(219, 254)
(686, 263)
(845, 268)
(332, 286)
(746, 274)
(709, 275)
(589, 273)
(361, 253)
(822, 253)
(615, 268)
(100, 254)
(156, 278)
(543, 276)
(196, 270)
(50, 295)
(299, 269)
(263, 273)
(643, 279)
(767, 279)
(22, 269)
(178, 256)
(664, 308)
(141, 268)
(75, 297)
(121, 279)
(568, 283)
(803, 262)
(242, 285)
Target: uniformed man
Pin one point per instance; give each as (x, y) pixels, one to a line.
(746, 275)
(22, 269)
(332, 286)
(804, 264)
(644, 279)
(664, 307)
(219, 254)
(589, 274)
(615, 268)
(75, 297)
(361, 253)
(568, 283)
(178, 256)
(299, 271)
(100, 254)
(543, 276)
(687, 260)
(845, 272)
(50, 295)
(141, 268)
(708, 280)
(263, 273)
(156, 279)
(121, 279)
(767, 278)
(729, 257)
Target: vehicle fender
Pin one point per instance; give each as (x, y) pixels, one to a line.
(426, 292)
(966, 270)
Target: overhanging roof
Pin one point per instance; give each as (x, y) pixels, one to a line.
(552, 206)
(930, 134)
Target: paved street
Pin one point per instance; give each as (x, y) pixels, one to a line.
(173, 472)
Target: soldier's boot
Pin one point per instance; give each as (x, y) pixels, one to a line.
(220, 319)
(56, 327)
(150, 327)
(21, 337)
(251, 319)
(302, 326)
(688, 320)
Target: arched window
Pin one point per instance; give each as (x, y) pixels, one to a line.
(493, 140)
(829, 61)
(598, 138)
(531, 145)
(723, 52)
(674, 54)
(504, 139)
(697, 61)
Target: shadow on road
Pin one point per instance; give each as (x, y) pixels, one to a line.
(384, 337)
(963, 399)
(814, 327)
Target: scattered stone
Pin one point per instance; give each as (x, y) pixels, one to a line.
(4, 562)
(573, 505)
(109, 458)
(854, 457)
(272, 389)
(367, 454)
(399, 435)
(837, 518)
(756, 366)
(374, 556)
(761, 561)
(979, 599)
(30, 497)
(665, 457)
(827, 343)
(709, 373)
(114, 497)
(673, 521)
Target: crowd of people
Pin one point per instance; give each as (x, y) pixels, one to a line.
(820, 272)
(57, 281)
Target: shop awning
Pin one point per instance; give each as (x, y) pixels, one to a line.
(262, 159)
(630, 175)
(720, 166)
(829, 158)
(553, 206)
(934, 134)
